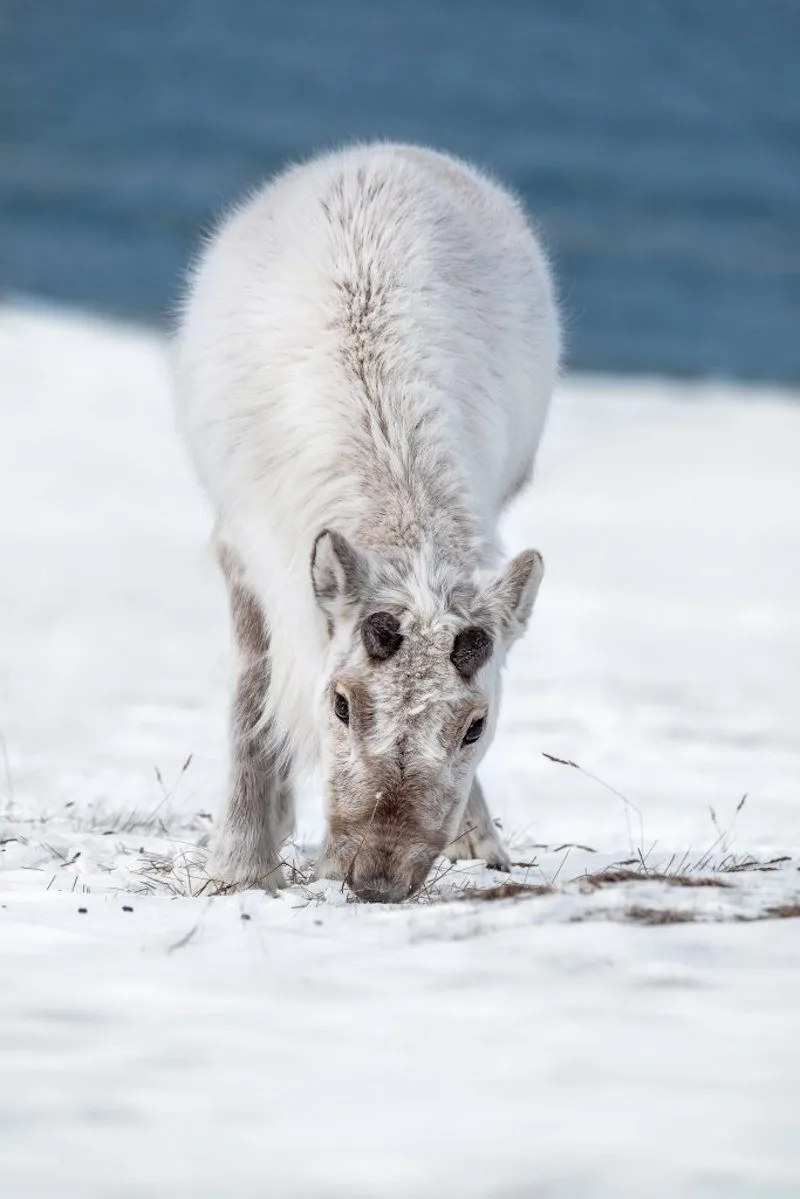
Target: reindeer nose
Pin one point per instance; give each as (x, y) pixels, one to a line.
(381, 889)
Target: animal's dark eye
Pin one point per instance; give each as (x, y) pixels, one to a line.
(474, 731)
(341, 707)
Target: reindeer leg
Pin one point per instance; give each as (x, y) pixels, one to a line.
(260, 809)
(478, 836)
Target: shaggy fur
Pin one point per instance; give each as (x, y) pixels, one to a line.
(364, 367)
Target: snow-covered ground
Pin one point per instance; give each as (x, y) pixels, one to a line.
(610, 1031)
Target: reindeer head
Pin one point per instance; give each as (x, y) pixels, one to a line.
(411, 695)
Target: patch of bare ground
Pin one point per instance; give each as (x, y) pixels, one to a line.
(641, 914)
(509, 890)
(638, 914)
(613, 875)
(783, 911)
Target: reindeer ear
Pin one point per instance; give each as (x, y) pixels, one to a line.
(339, 573)
(514, 591)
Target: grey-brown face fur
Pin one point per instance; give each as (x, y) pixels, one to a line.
(410, 706)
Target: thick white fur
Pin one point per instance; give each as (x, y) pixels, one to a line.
(469, 339)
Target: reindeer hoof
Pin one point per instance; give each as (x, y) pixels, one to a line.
(234, 874)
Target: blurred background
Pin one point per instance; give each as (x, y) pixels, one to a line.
(657, 141)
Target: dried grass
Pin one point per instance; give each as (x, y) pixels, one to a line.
(181, 869)
(783, 911)
(614, 875)
(508, 890)
(639, 914)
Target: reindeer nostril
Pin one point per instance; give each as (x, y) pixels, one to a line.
(380, 889)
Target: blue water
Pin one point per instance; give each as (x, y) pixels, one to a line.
(658, 143)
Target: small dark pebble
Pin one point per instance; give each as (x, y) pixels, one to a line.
(318, 922)
(126, 907)
(245, 916)
(83, 911)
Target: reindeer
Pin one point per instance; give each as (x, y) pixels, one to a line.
(364, 364)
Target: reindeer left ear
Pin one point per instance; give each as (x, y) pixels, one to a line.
(514, 591)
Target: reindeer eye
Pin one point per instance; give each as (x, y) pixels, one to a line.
(341, 707)
(474, 731)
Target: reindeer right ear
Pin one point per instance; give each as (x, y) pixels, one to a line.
(339, 573)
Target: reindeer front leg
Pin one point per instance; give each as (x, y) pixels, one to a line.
(478, 836)
(260, 810)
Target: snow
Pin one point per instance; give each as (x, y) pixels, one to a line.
(611, 1031)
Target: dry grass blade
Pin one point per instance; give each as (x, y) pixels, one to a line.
(184, 940)
(465, 833)
(348, 878)
(627, 803)
(733, 865)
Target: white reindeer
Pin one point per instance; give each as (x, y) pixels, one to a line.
(364, 366)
